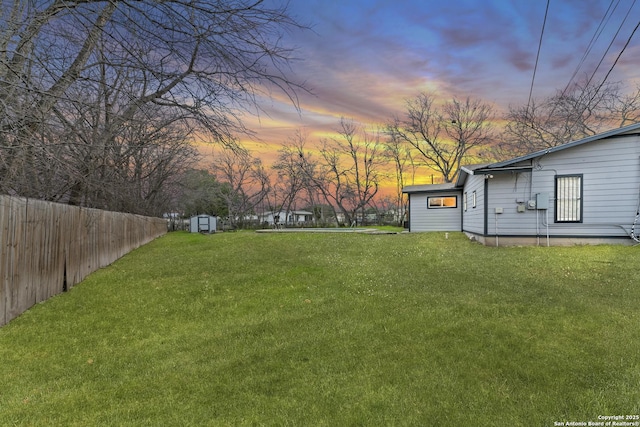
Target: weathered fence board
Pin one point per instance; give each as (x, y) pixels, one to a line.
(46, 248)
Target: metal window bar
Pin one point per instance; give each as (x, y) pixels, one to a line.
(568, 199)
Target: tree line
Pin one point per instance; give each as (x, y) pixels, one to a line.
(101, 103)
(344, 173)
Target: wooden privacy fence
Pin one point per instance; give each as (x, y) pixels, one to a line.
(46, 248)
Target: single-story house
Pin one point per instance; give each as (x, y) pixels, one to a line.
(582, 192)
(291, 218)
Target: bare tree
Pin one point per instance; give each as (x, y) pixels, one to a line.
(296, 160)
(444, 135)
(292, 185)
(247, 182)
(398, 152)
(77, 76)
(582, 110)
(314, 173)
(351, 169)
(625, 107)
(123, 164)
(346, 175)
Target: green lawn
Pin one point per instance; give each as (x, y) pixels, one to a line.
(332, 330)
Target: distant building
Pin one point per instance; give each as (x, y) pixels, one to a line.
(286, 218)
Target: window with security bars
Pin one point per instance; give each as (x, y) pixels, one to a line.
(569, 198)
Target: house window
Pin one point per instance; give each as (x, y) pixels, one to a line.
(569, 198)
(464, 201)
(473, 199)
(442, 202)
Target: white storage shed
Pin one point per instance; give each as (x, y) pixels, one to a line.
(202, 224)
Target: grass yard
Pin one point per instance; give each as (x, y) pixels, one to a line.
(332, 330)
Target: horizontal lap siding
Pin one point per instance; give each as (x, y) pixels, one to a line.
(423, 219)
(41, 241)
(473, 219)
(611, 183)
(611, 186)
(505, 190)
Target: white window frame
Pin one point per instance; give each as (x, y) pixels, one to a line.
(569, 190)
(439, 202)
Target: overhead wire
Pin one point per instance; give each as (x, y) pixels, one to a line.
(617, 59)
(535, 68)
(599, 30)
(613, 39)
(596, 35)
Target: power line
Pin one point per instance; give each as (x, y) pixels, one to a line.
(616, 61)
(605, 19)
(595, 93)
(613, 39)
(535, 68)
(596, 35)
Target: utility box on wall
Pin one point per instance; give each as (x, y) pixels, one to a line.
(542, 201)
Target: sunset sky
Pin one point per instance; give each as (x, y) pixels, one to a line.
(364, 58)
